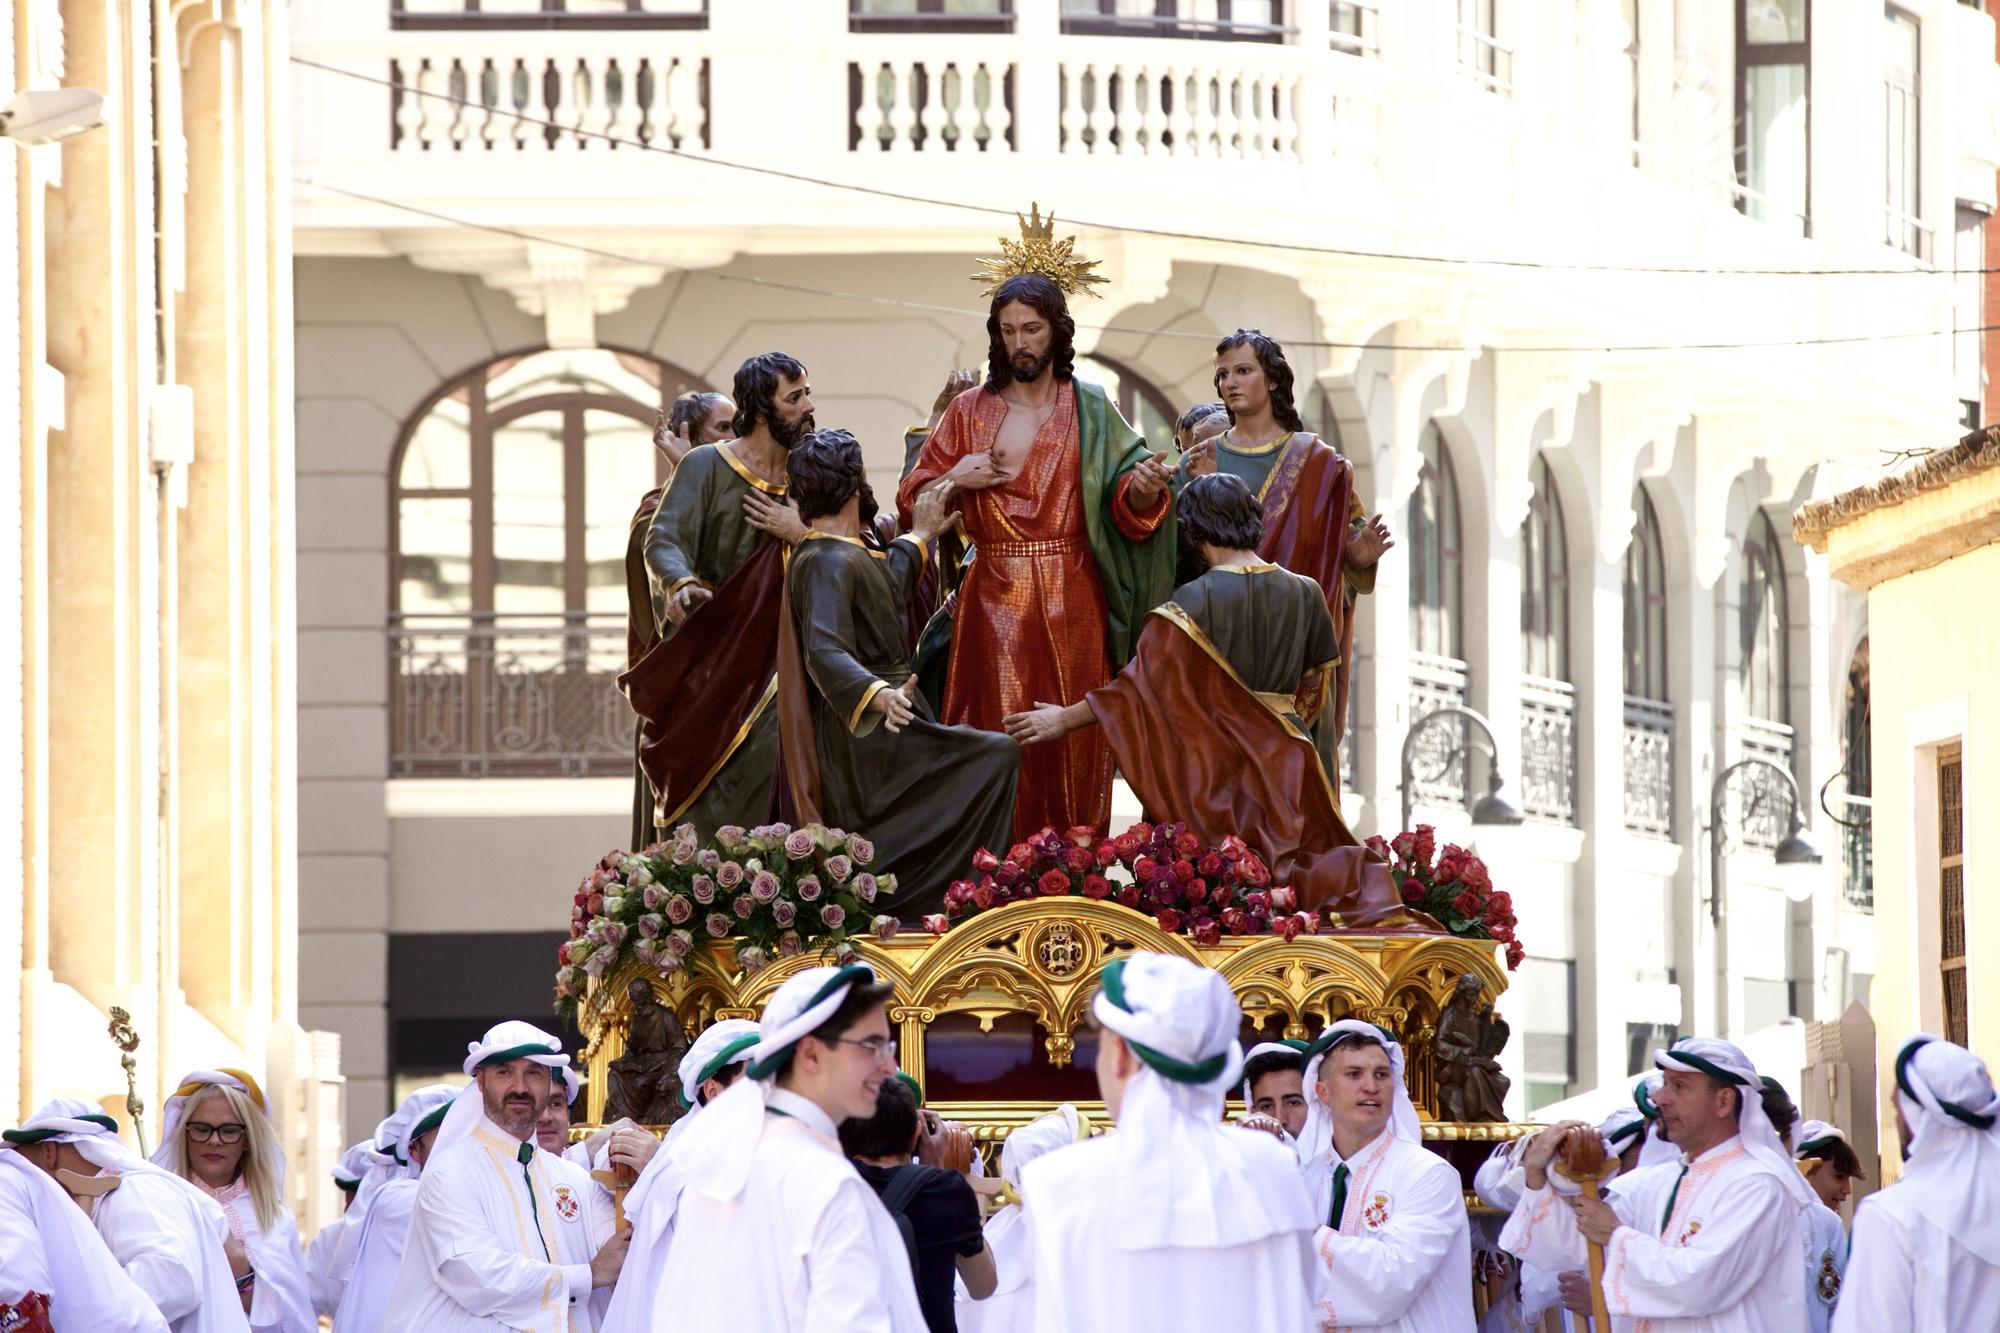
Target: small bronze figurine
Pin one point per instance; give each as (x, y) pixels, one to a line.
(645, 1081)
(1470, 1086)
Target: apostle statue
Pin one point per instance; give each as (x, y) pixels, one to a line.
(1314, 524)
(1072, 522)
(644, 1084)
(862, 748)
(1209, 719)
(696, 418)
(715, 553)
(1470, 1085)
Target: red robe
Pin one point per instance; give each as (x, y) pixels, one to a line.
(1031, 618)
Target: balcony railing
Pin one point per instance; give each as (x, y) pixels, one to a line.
(491, 695)
(1764, 803)
(1649, 768)
(1857, 851)
(473, 103)
(493, 14)
(1193, 108)
(1548, 749)
(1438, 773)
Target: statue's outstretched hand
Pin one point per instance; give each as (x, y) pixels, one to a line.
(977, 472)
(1149, 481)
(673, 443)
(1043, 722)
(894, 705)
(1368, 543)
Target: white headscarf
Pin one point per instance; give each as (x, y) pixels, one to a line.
(1812, 1134)
(1006, 1231)
(1722, 1061)
(1619, 1128)
(1316, 1139)
(1293, 1048)
(1947, 1099)
(715, 1153)
(91, 1286)
(91, 1132)
(1182, 1185)
(569, 1080)
(421, 1112)
(511, 1040)
(729, 1041)
(352, 1168)
(193, 1084)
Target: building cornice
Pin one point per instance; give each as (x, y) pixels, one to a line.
(1943, 506)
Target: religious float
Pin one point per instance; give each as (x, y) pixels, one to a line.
(991, 997)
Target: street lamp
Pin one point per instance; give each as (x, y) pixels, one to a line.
(1490, 809)
(1797, 848)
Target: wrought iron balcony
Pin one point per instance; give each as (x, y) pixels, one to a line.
(1548, 749)
(1649, 768)
(489, 695)
(1438, 768)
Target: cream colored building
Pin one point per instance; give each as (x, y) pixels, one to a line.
(146, 607)
(524, 225)
(1922, 546)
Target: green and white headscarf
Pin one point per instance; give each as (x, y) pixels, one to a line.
(1182, 1177)
(1947, 1099)
(1727, 1064)
(503, 1042)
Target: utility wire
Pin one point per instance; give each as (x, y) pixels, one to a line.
(961, 312)
(987, 210)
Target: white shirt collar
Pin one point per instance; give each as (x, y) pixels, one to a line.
(1334, 1158)
(1732, 1141)
(802, 1109)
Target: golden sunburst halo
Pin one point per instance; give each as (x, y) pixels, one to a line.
(1038, 251)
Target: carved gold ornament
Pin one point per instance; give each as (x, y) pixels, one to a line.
(1038, 251)
(1041, 959)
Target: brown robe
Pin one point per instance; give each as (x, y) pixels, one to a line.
(709, 739)
(928, 796)
(1208, 724)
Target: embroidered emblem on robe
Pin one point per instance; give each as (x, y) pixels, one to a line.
(1376, 1214)
(566, 1204)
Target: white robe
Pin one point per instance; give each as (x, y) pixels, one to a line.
(1728, 1262)
(1401, 1257)
(1085, 1284)
(486, 1252)
(48, 1247)
(378, 1258)
(168, 1235)
(806, 1247)
(281, 1301)
(1011, 1307)
(1826, 1263)
(1906, 1274)
(322, 1284)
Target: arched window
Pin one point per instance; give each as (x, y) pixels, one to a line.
(1437, 555)
(1150, 412)
(1645, 604)
(1764, 624)
(514, 495)
(1649, 717)
(1545, 581)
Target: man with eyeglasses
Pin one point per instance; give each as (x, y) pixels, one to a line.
(504, 1235)
(774, 1231)
(165, 1233)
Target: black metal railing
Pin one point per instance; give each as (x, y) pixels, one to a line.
(1548, 749)
(486, 695)
(1438, 773)
(1649, 767)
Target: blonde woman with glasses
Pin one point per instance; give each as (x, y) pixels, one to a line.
(216, 1131)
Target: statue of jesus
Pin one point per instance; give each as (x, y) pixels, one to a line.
(1070, 519)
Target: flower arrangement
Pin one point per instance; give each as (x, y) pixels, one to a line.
(1160, 869)
(1454, 888)
(771, 891)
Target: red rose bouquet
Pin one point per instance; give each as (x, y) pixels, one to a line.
(1451, 886)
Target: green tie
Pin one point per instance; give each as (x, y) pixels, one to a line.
(1339, 1196)
(525, 1156)
(1668, 1216)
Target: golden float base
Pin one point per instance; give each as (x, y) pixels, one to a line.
(1041, 959)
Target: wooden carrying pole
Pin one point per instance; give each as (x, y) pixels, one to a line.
(1584, 1162)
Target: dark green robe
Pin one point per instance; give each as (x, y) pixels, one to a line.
(1254, 469)
(699, 535)
(928, 796)
(1271, 625)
